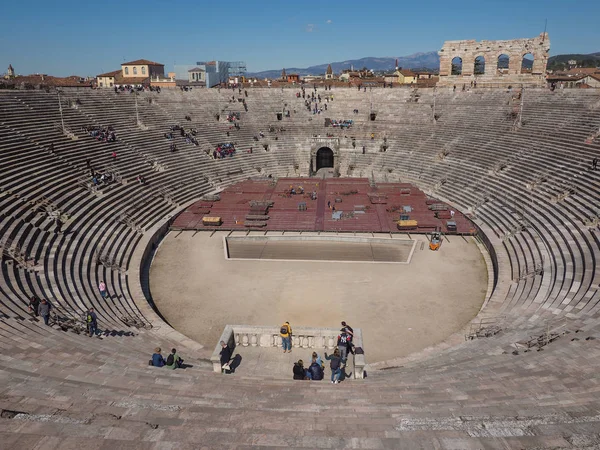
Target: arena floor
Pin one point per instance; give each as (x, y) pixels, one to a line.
(401, 308)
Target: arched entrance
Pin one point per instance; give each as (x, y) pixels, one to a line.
(324, 158)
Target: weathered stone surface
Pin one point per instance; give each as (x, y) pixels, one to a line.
(469, 50)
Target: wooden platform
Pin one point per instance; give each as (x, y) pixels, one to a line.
(364, 208)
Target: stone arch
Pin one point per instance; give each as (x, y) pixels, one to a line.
(457, 66)
(324, 158)
(479, 65)
(527, 62)
(503, 63)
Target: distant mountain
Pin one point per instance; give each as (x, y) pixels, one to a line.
(427, 60)
(420, 61)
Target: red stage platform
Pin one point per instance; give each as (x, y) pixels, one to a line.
(270, 206)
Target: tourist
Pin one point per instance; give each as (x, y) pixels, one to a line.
(58, 225)
(102, 288)
(299, 371)
(452, 213)
(347, 328)
(34, 304)
(316, 358)
(91, 320)
(286, 337)
(225, 355)
(315, 372)
(343, 342)
(335, 365)
(114, 156)
(157, 359)
(44, 310)
(173, 360)
(595, 163)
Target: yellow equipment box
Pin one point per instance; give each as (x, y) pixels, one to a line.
(211, 221)
(406, 224)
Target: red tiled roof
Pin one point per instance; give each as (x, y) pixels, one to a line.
(142, 62)
(114, 73)
(47, 80)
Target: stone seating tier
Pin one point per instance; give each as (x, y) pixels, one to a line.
(528, 187)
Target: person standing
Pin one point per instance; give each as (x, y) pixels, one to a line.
(343, 342)
(34, 304)
(44, 310)
(286, 337)
(102, 288)
(92, 322)
(335, 364)
(225, 355)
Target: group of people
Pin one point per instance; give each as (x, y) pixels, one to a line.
(173, 361)
(100, 179)
(102, 134)
(342, 123)
(224, 150)
(315, 371)
(42, 307)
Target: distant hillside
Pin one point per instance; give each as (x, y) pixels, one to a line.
(427, 60)
(560, 62)
(420, 61)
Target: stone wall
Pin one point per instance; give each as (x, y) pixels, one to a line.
(515, 49)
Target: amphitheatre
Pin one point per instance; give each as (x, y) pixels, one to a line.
(506, 314)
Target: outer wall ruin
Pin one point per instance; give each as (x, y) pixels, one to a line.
(491, 51)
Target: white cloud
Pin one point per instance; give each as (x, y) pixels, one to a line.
(329, 21)
(311, 27)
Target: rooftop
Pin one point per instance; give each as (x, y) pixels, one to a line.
(140, 62)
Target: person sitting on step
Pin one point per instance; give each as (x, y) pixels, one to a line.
(157, 358)
(299, 371)
(173, 360)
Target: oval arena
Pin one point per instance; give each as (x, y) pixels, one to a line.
(509, 361)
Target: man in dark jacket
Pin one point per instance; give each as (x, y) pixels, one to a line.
(316, 371)
(299, 370)
(225, 356)
(44, 310)
(34, 304)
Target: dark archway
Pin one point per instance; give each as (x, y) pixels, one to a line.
(456, 66)
(324, 158)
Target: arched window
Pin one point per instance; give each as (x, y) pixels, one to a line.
(503, 63)
(479, 68)
(135, 70)
(126, 70)
(527, 63)
(143, 70)
(456, 65)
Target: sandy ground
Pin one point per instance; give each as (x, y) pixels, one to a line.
(401, 308)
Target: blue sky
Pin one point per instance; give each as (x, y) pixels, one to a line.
(87, 38)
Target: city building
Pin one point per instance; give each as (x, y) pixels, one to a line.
(215, 72)
(138, 72)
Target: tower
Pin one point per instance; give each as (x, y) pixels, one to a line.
(329, 73)
(283, 75)
(11, 71)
